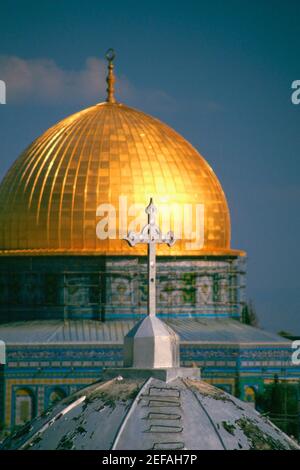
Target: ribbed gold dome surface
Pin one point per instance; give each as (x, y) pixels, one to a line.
(49, 197)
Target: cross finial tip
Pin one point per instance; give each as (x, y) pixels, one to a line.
(110, 55)
(151, 209)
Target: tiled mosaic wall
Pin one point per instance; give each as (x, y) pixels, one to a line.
(36, 376)
(115, 287)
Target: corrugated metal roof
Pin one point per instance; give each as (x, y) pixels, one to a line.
(191, 330)
(222, 330)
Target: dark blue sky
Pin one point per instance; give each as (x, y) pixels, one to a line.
(219, 72)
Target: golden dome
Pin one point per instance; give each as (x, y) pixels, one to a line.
(49, 197)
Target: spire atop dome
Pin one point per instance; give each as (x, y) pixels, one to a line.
(110, 79)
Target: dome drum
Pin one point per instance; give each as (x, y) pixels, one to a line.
(115, 287)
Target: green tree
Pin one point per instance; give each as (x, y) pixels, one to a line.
(280, 401)
(249, 316)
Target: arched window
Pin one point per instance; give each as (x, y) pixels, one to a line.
(250, 394)
(56, 395)
(24, 406)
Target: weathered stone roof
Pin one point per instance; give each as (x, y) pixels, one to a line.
(148, 413)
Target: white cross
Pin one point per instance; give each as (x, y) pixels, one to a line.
(151, 234)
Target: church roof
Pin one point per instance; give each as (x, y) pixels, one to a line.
(148, 413)
(190, 330)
